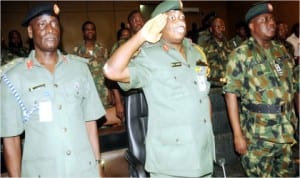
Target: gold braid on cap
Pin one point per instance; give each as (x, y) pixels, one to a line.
(55, 9)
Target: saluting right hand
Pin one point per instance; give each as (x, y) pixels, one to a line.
(151, 31)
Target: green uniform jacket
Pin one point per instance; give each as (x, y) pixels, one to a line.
(180, 139)
(263, 76)
(57, 148)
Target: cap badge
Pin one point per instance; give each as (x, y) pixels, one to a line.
(55, 9)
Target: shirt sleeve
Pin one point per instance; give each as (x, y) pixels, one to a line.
(234, 74)
(139, 71)
(92, 106)
(11, 115)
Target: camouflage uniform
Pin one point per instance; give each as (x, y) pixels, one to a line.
(117, 45)
(235, 42)
(288, 46)
(263, 78)
(216, 54)
(203, 37)
(10, 54)
(97, 59)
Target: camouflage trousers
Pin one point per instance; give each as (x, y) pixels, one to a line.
(268, 159)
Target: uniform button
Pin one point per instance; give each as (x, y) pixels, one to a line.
(68, 153)
(200, 101)
(90, 162)
(177, 140)
(59, 107)
(204, 120)
(175, 77)
(65, 129)
(195, 82)
(55, 85)
(189, 65)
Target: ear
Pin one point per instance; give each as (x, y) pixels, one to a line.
(210, 29)
(29, 31)
(251, 26)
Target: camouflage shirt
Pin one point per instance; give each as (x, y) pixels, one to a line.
(11, 53)
(235, 42)
(97, 58)
(263, 76)
(216, 53)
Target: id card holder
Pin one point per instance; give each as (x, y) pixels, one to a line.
(45, 111)
(201, 77)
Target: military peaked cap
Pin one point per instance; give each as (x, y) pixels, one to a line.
(258, 9)
(49, 8)
(166, 6)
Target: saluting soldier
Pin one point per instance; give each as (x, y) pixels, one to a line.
(172, 72)
(52, 97)
(260, 72)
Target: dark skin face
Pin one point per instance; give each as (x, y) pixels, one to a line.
(45, 32)
(263, 28)
(282, 31)
(175, 29)
(136, 22)
(218, 28)
(89, 33)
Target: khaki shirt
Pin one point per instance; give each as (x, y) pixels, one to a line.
(179, 139)
(56, 146)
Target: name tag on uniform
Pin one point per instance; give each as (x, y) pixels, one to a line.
(45, 111)
(176, 64)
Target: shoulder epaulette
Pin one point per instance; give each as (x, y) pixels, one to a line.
(77, 58)
(200, 50)
(10, 65)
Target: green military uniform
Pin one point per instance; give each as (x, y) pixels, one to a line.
(117, 45)
(235, 42)
(217, 57)
(57, 105)
(203, 37)
(262, 78)
(179, 139)
(97, 58)
(9, 54)
(289, 47)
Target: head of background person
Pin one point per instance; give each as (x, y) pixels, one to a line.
(124, 34)
(295, 29)
(14, 39)
(135, 21)
(206, 21)
(88, 29)
(175, 28)
(43, 26)
(261, 21)
(241, 29)
(282, 30)
(217, 28)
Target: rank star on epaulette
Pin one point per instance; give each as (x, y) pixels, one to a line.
(29, 64)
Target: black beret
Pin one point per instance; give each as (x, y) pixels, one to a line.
(49, 8)
(166, 6)
(258, 9)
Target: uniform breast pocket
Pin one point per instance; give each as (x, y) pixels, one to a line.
(171, 83)
(74, 91)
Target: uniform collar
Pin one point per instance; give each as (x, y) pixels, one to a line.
(31, 61)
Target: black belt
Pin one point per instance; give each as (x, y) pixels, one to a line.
(266, 108)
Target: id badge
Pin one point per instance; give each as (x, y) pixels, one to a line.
(201, 83)
(45, 111)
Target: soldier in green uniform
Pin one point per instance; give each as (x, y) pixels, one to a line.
(217, 50)
(241, 31)
(97, 55)
(15, 47)
(52, 97)
(172, 72)
(260, 73)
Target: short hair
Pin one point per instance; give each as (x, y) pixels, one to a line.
(132, 13)
(85, 23)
